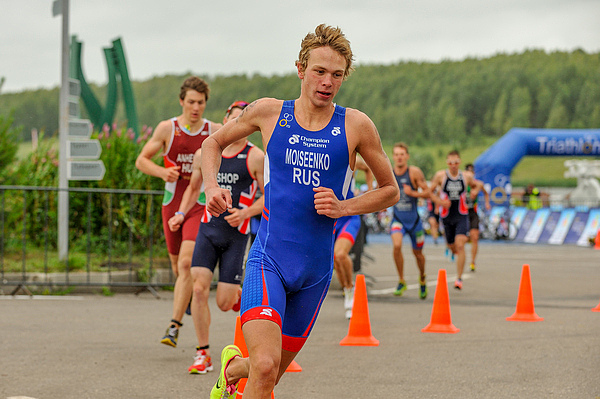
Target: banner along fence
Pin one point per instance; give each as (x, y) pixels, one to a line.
(115, 239)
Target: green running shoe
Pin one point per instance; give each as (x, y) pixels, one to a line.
(221, 390)
(423, 288)
(400, 288)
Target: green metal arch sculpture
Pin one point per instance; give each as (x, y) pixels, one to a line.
(116, 67)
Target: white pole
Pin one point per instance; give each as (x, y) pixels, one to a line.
(63, 183)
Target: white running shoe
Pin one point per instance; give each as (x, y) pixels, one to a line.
(348, 301)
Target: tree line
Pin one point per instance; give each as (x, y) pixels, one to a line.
(416, 102)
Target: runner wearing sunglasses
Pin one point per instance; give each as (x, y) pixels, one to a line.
(452, 184)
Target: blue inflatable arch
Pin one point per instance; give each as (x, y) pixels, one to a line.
(495, 165)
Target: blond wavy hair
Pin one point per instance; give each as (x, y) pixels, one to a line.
(326, 36)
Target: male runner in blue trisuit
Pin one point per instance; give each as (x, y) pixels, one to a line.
(311, 146)
(406, 220)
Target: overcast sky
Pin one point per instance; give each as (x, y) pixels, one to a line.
(263, 36)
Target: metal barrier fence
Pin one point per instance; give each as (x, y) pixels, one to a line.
(119, 231)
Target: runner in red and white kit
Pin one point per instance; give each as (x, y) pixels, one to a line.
(179, 138)
(452, 185)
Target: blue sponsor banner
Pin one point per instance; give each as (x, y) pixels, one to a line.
(517, 216)
(535, 230)
(577, 227)
(549, 227)
(525, 225)
(562, 227)
(591, 228)
(554, 225)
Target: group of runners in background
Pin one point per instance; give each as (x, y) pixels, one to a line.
(452, 197)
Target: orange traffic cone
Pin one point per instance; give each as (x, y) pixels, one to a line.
(525, 310)
(238, 338)
(359, 331)
(441, 320)
(597, 308)
(293, 367)
(597, 242)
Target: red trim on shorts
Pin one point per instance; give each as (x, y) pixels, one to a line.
(292, 344)
(262, 313)
(347, 236)
(265, 214)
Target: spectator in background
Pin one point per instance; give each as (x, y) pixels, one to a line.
(531, 197)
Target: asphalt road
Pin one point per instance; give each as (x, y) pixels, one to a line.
(92, 346)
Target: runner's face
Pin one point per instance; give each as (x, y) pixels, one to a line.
(193, 105)
(323, 76)
(453, 163)
(400, 157)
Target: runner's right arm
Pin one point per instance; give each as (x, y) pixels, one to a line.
(157, 142)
